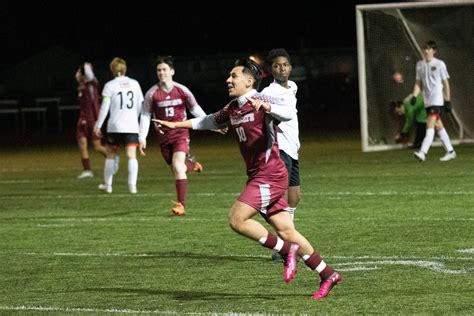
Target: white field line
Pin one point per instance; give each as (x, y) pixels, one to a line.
(93, 310)
(431, 265)
(348, 266)
(124, 311)
(420, 262)
(469, 250)
(141, 255)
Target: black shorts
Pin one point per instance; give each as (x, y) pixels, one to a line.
(434, 110)
(293, 168)
(117, 139)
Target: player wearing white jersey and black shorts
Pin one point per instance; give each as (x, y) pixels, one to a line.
(284, 91)
(122, 100)
(432, 77)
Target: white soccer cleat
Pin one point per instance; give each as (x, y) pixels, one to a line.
(419, 155)
(116, 163)
(86, 174)
(106, 188)
(448, 156)
(132, 189)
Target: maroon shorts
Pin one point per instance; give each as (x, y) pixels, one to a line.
(85, 129)
(168, 149)
(266, 196)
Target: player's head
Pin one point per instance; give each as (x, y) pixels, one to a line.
(251, 68)
(164, 68)
(277, 52)
(397, 107)
(429, 49)
(280, 64)
(118, 67)
(165, 60)
(245, 76)
(430, 44)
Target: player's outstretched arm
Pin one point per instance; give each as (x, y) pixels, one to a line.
(172, 125)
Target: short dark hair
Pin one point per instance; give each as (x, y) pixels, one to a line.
(165, 60)
(252, 68)
(277, 52)
(430, 44)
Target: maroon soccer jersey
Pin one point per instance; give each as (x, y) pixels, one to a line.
(89, 101)
(256, 133)
(170, 106)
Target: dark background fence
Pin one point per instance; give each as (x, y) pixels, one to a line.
(44, 88)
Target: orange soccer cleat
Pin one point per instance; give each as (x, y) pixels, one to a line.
(178, 209)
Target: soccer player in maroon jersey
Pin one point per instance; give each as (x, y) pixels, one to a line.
(168, 100)
(89, 102)
(254, 117)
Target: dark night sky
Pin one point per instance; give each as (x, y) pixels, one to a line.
(150, 29)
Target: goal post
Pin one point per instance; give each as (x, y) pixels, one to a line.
(389, 37)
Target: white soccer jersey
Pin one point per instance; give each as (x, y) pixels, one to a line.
(123, 98)
(288, 138)
(432, 74)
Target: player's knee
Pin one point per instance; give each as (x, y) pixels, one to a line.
(286, 233)
(234, 224)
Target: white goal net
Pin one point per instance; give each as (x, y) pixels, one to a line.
(389, 41)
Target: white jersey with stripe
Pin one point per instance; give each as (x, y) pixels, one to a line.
(122, 99)
(288, 136)
(431, 74)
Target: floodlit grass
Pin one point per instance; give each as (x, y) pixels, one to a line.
(401, 233)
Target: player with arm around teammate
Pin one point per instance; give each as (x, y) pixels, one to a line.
(122, 100)
(253, 118)
(285, 90)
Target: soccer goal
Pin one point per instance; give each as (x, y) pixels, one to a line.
(389, 40)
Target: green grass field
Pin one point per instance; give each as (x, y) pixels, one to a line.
(401, 233)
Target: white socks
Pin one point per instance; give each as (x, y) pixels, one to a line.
(109, 171)
(132, 172)
(428, 140)
(443, 135)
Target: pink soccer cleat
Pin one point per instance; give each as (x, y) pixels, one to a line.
(291, 262)
(326, 285)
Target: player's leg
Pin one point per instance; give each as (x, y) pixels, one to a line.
(192, 164)
(81, 135)
(294, 189)
(285, 228)
(444, 137)
(111, 147)
(98, 147)
(131, 149)
(241, 221)
(433, 115)
(85, 161)
(420, 133)
(292, 194)
(178, 166)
